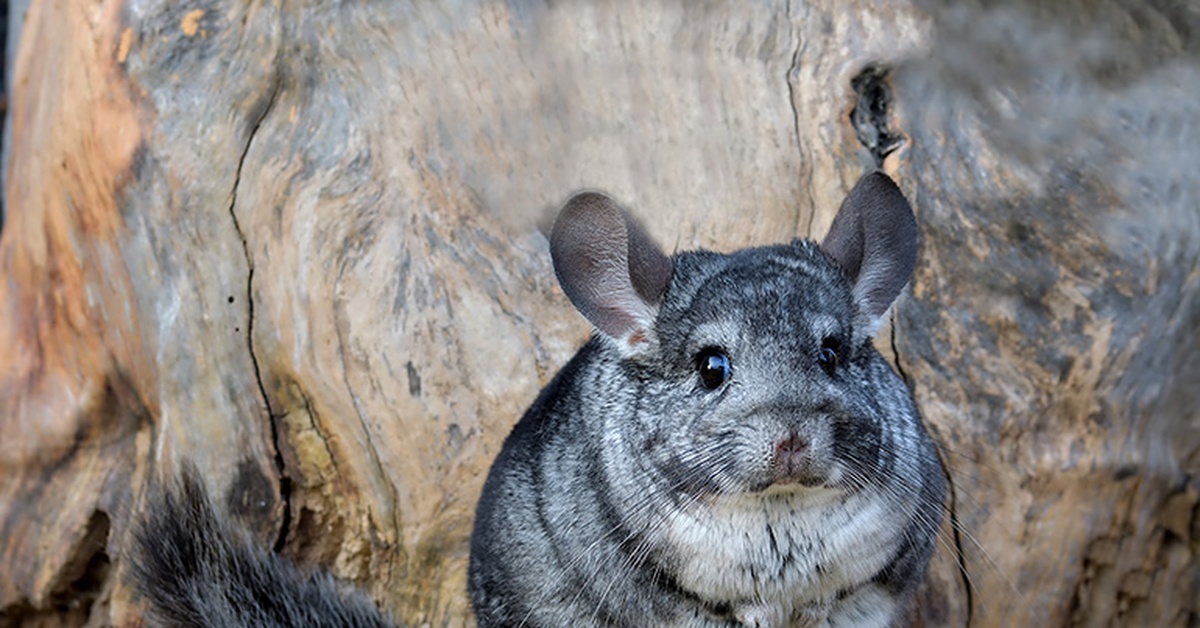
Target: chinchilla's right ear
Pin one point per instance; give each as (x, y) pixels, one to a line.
(610, 269)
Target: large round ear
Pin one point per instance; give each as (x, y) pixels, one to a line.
(874, 239)
(609, 268)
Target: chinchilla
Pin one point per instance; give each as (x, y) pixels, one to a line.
(728, 449)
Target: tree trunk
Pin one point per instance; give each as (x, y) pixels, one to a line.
(302, 244)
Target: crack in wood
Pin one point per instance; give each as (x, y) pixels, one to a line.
(790, 81)
(896, 351)
(955, 527)
(272, 418)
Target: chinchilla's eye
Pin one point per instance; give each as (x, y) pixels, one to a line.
(713, 366)
(828, 355)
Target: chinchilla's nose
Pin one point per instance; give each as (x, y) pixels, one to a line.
(792, 445)
(791, 456)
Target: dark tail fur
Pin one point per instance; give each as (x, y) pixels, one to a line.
(196, 568)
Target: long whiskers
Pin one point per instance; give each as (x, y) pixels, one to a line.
(904, 450)
(645, 516)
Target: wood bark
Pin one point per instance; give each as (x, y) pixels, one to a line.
(302, 244)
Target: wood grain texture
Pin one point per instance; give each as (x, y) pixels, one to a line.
(67, 416)
(303, 244)
(1051, 337)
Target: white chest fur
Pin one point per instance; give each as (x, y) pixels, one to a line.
(783, 554)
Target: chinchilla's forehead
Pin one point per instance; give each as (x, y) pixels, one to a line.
(786, 289)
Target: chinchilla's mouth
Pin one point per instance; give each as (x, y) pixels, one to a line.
(807, 477)
(771, 489)
(792, 483)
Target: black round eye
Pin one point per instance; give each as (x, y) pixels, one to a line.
(713, 366)
(828, 355)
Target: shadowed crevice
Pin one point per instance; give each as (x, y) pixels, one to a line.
(896, 351)
(872, 110)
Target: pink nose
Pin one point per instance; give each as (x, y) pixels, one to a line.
(793, 444)
(790, 454)
(796, 462)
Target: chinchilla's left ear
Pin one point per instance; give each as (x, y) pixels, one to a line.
(874, 239)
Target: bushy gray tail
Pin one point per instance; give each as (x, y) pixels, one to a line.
(196, 568)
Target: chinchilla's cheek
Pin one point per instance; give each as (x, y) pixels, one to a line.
(689, 472)
(714, 456)
(856, 442)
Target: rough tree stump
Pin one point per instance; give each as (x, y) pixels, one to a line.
(303, 245)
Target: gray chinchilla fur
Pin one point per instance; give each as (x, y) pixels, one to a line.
(728, 449)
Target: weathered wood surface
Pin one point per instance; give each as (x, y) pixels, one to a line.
(1051, 336)
(299, 244)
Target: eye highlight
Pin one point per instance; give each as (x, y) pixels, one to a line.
(828, 355)
(713, 366)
